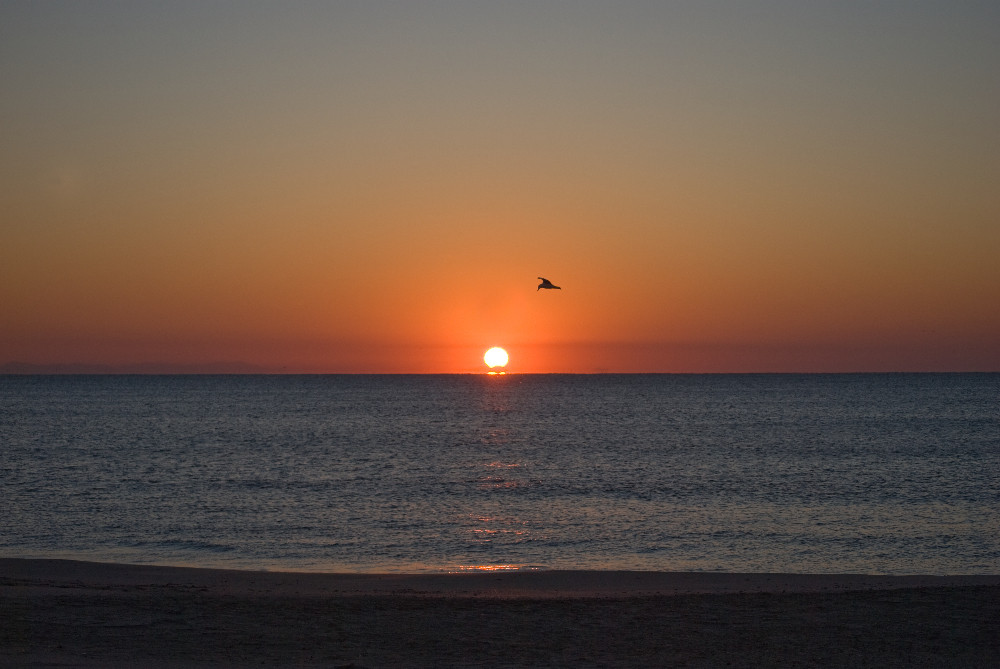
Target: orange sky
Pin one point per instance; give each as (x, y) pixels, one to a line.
(373, 187)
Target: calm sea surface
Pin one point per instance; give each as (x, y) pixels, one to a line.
(895, 474)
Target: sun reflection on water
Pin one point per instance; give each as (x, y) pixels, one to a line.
(492, 528)
(496, 567)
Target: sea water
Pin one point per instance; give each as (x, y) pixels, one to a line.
(870, 473)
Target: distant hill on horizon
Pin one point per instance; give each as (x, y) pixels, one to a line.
(218, 367)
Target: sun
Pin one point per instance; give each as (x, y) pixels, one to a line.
(495, 357)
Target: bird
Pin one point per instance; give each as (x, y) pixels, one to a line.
(546, 284)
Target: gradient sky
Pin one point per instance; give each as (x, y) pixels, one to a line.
(374, 186)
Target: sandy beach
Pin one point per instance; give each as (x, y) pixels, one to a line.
(62, 613)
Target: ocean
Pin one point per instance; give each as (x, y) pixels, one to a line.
(814, 473)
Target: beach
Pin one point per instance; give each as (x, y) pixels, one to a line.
(64, 613)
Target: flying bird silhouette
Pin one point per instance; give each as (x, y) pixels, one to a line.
(546, 284)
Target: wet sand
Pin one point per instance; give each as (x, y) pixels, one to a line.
(60, 613)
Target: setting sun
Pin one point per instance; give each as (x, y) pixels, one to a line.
(495, 357)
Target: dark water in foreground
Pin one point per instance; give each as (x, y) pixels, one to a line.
(870, 473)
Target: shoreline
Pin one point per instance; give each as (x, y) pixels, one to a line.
(506, 584)
(66, 613)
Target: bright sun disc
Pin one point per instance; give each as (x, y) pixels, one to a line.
(495, 357)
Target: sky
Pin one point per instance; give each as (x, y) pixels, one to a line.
(373, 187)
